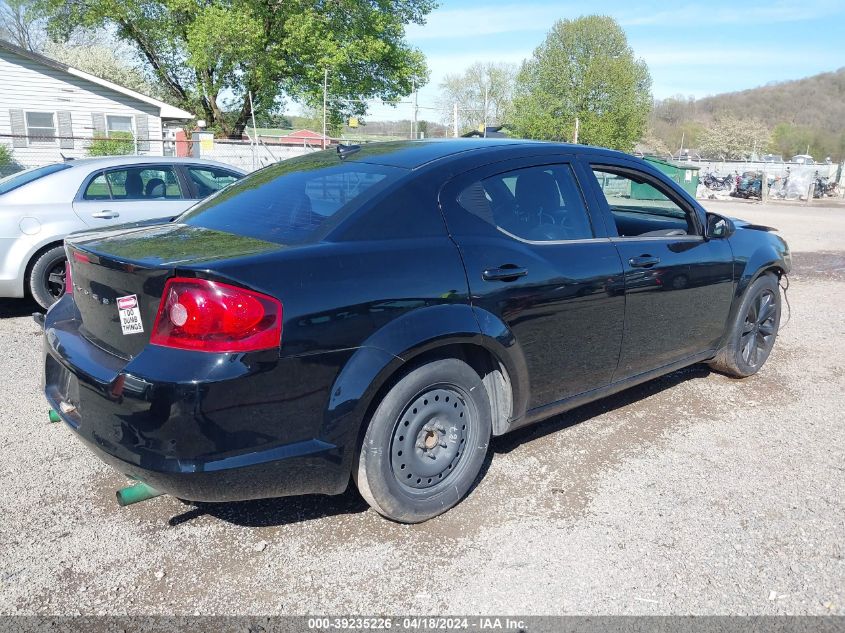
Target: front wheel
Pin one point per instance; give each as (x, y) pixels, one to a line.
(47, 276)
(754, 330)
(426, 442)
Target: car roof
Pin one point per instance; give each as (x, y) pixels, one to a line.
(116, 161)
(415, 154)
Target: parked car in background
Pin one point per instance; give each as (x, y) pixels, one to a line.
(40, 206)
(803, 159)
(380, 312)
(772, 158)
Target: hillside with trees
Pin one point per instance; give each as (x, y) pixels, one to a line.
(792, 115)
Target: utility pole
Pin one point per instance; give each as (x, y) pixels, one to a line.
(325, 100)
(455, 120)
(416, 110)
(254, 129)
(577, 127)
(486, 96)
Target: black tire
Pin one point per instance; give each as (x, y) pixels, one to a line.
(425, 443)
(47, 276)
(754, 330)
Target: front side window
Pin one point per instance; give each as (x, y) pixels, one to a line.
(135, 183)
(296, 201)
(540, 203)
(41, 128)
(207, 180)
(642, 207)
(119, 124)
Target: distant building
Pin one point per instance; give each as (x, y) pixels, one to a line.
(301, 138)
(49, 109)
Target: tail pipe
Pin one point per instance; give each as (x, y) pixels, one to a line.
(136, 493)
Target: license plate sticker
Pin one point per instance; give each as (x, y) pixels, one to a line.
(130, 315)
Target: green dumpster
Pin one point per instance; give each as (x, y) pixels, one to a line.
(685, 174)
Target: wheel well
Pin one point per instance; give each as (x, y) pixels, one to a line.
(777, 270)
(32, 261)
(489, 368)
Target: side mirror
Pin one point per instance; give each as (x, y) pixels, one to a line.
(718, 227)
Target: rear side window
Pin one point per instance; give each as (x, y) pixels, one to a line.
(135, 183)
(207, 180)
(25, 177)
(540, 204)
(293, 202)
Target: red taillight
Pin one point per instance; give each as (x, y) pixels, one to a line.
(210, 316)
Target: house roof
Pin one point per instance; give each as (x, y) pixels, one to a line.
(166, 111)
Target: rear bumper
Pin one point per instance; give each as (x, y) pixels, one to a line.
(208, 427)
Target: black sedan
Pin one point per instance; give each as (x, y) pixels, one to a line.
(379, 313)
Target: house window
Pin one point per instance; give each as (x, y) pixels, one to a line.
(119, 124)
(41, 128)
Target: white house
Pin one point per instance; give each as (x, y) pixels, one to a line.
(49, 110)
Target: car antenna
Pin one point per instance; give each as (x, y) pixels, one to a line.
(347, 150)
(66, 158)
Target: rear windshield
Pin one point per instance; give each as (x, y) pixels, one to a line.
(293, 202)
(24, 177)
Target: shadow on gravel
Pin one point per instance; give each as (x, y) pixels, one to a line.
(11, 308)
(289, 510)
(506, 443)
(277, 512)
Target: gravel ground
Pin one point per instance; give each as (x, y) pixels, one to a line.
(693, 494)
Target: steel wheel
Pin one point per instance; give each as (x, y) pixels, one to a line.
(426, 442)
(758, 332)
(428, 439)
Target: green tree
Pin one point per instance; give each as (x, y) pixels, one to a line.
(201, 51)
(483, 85)
(734, 139)
(585, 70)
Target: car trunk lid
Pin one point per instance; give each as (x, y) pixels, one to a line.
(119, 276)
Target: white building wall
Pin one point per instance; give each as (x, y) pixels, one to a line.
(28, 85)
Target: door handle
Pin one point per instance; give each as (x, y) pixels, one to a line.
(507, 272)
(106, 215)
(644, 261)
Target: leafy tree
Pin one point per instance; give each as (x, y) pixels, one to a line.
(201, 51)
(116, 144)
(585, 70)
(734, 139)
(468, 90)
(272, 120)
(21, 25)
(103, 60)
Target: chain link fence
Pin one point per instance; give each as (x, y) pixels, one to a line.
(24, 152)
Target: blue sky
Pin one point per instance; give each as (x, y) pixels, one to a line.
(698, 47)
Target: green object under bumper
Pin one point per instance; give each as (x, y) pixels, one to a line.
(136, 493)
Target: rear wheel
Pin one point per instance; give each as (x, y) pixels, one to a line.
(754, 330)
(47, 276)
(426, 442)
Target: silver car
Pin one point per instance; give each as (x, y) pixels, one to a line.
(40, 206)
